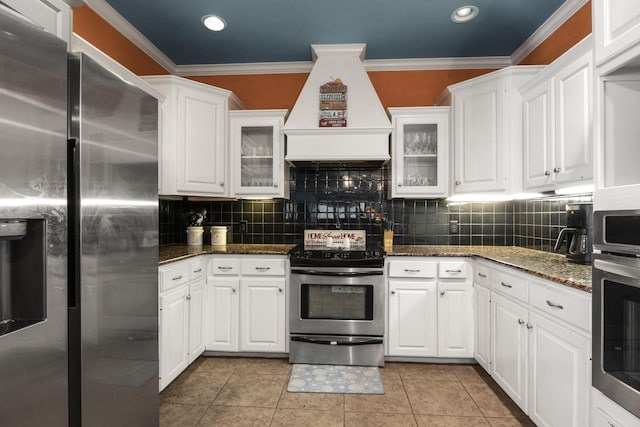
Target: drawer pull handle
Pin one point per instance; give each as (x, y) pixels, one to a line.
(529, 326)
(263, 268)
(453, 271)
(197, 271)
(224, 268)
(409, 270)
(506, 285)
(177, 278)
(484, 276)
(558, 306)
(520, 322)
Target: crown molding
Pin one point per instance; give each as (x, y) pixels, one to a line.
(116, 20)
(244, 68)
(418, 64)
(559, 17)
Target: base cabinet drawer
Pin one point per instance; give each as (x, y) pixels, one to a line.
(569, 307)
(413, 269)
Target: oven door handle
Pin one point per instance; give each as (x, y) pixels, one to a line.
(339, 273)
(618, 268)
(352, 342)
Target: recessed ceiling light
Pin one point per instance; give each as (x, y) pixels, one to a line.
(464, 14)
(213, 22)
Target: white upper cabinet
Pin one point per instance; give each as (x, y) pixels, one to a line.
(420, 152)
(487, 131)
(257, 153)
(557, 122)
(52, 15)
(193, 136)
(616, 26)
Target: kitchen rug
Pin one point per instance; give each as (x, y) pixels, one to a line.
(335, 379)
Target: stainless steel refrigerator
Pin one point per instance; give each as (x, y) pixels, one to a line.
(78, 238)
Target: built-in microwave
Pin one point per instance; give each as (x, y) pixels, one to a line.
(616, 307)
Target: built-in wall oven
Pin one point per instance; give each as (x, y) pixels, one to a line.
(337, 307)
(616, 307)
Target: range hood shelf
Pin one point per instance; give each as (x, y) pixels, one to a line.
(366, 137)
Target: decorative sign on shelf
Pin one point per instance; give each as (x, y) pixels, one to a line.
(333, 105)
(338, 239)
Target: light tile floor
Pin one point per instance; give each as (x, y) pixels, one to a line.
(225, 391)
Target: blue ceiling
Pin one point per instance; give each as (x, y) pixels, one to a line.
(283, 30)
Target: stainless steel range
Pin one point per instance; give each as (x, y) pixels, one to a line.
(337, 302)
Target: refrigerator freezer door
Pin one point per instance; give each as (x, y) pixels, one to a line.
(33, 131)
(116, 126)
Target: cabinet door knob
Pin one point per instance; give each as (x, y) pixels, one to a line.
(221, 183)
(529, 326)
(458, 182)
(399, 184)
(275, 185)
(556, 170)
(280, 290)
(188, 297)
(233, 290)
(547, 173)
(520, 322)
(393, 292)
(443, 293)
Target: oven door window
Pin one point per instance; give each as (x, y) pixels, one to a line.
(336, 302)
(621, 332)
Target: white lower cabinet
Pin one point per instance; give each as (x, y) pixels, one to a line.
(174, 335)
(606, 413)
(262, 314)
(509, 348)
(482, 326)
(223, 313)
(182, 303)
(559, 378)
(455, 308)
(247, 308)
(540, 345)
(430, 308)
(413, 316)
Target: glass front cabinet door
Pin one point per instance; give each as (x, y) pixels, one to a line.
(419, 146)
(257, 153)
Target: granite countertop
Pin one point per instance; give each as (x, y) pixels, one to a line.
(546, 265)
(554, 267)
(171, 253)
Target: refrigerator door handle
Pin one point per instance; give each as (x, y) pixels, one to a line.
(73, 231)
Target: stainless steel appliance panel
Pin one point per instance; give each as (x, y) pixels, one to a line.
(116, 126)
(616, 329)
(336, 350)
(33, 72)
(33, 127)
(343, 279)
(617, 231)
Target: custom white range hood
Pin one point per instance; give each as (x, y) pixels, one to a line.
(366, 137)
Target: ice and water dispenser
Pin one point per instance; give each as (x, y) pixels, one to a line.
(22, 273)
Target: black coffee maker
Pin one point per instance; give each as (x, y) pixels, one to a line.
(577, 233)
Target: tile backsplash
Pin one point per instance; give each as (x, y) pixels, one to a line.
(356, 197)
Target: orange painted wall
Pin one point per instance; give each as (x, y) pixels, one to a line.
(91, 27)
(571, 32)
(262, 91)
